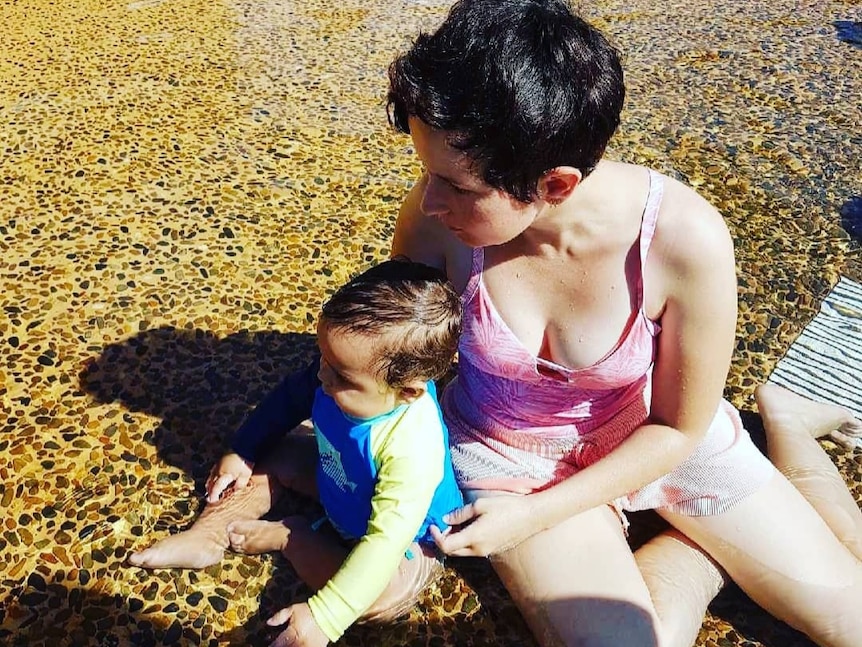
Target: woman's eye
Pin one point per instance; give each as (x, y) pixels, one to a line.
(457, 189)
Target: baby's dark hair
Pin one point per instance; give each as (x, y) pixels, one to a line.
(521, 86)
(414, 305)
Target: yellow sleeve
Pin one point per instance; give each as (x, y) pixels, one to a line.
(409, 454)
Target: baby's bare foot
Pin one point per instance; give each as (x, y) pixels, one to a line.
(255, 537)
(187, 549)
(786, 412)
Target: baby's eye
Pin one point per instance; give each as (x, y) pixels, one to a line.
(342, 379)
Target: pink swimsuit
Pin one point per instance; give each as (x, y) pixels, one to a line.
(520, 423)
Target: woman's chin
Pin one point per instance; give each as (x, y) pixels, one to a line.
(472, 240)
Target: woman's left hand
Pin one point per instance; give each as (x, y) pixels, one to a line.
(489, 525)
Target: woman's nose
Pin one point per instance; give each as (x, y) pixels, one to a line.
(433, 203)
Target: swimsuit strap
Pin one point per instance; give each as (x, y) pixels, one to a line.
(648, 224)
(475, 275)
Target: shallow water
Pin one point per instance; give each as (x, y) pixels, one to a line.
(183, 182)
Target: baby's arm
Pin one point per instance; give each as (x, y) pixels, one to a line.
(410, 470)
(281, 410)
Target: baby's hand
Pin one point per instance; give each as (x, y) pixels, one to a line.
(302, 629)
(232, 468)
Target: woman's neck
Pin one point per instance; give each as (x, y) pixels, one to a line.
(570, 224)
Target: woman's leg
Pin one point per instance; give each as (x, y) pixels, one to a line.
(682, 579)
(291, 465)
(778, 548)
(317, 554)
(791, 424)
(578, 584)
(662, 602)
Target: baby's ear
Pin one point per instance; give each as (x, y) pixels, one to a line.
(412, 391)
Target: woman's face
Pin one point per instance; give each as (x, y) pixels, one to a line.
(479, 215)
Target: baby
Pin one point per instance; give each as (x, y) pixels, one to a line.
(379, 460)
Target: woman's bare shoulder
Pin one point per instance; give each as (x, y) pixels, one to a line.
(692, 249)
(416, 235)
(689, 223)
(692, 245)
(679, 199)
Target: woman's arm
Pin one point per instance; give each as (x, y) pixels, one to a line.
(425, 239)
(692, 282)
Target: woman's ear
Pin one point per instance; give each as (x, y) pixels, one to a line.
(558, 183)
(412, 391)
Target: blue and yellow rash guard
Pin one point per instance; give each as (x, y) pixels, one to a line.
(383, 481)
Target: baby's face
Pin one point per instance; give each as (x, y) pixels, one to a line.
(347, 375)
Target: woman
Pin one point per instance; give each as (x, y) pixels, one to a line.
(600, 311)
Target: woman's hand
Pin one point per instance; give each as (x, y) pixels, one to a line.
(302, 629)
(231, 469)
(487, 526)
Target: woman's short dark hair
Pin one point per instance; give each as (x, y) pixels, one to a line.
(522, 86)
(413, 306)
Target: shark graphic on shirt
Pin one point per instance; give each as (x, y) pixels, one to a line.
(330, 462)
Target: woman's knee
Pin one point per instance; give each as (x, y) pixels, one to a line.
(831, 615)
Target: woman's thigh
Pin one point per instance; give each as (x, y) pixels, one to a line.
(578, 584)
(781, 552)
